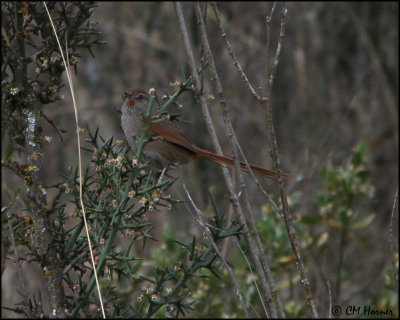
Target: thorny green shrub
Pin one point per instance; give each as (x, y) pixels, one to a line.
(32, 66)
(119, 194)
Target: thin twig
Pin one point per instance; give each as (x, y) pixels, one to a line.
(278, 49)
(228, 180)
(20, 273)
(268, 21)
(58, 130)
(57, 197)
(282, 184)
(252, 274)
(15, 167)
(256, 181)
(16, 310)
(27, 259)
(328, 285)
(261, 251)
(324, 281)
(206, 47)
(197, 83)
(225, 111)
(264, 272)
(233, 56)
(79, 258)
(341, 248)
(211, 129)
(391, 242)
(200, 220)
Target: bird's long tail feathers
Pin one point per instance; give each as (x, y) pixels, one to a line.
(220, 159)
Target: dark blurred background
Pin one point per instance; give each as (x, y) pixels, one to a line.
(336, 84)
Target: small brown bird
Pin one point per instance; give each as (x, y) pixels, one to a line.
(168, 148)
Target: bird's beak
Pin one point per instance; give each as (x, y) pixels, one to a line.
(130, 102)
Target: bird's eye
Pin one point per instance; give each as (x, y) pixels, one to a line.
(139, 97)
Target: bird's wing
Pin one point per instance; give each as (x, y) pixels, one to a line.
(169, 133)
